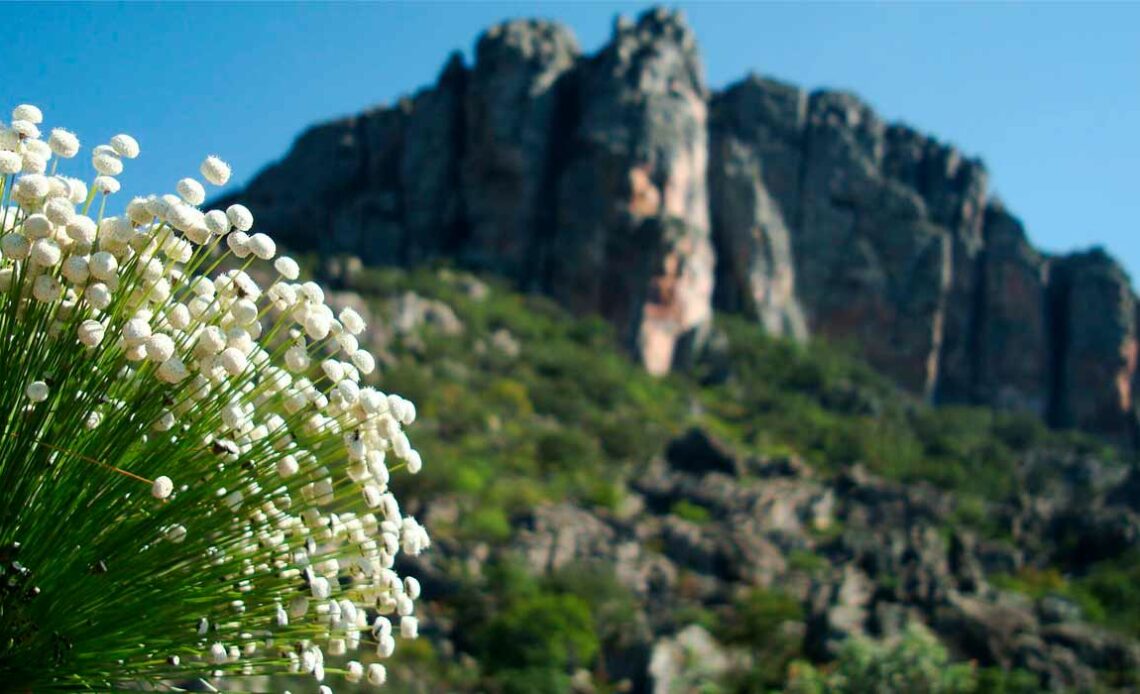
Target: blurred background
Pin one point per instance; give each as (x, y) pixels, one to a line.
(757, 347)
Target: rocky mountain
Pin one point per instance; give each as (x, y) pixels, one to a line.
(736, 526)
(620, 185)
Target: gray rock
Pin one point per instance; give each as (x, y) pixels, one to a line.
(512, 123)
(687, 662)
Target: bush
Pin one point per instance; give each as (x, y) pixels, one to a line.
(918, 664)
(544, 631)
(687, 510)
(757, 623)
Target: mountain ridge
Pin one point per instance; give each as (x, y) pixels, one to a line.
(618, 183)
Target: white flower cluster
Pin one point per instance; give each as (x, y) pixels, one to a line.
(262, 381)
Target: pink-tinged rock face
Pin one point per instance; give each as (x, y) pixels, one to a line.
(631, 237)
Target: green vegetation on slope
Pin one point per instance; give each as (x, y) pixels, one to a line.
(570, 417)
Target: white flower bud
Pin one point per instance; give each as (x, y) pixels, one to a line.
(46, 289)
(38, 226)
(75, 269)
(10, 163)
(45, 253)
(287, 267)
(319, 587)
(352, 321)
(172, 370)
(136, 331)
(26, 128)
(233, 361)
(240, 217)
(107, 164)
(91, 333)
(98, 295)
(125, 146)
(82, 229)
(159, 348)
(364, 361)
(238, 241)
(162, 487)
(14, 246)
(37, 391)
(377, 674)
(138, 212)
(28, 112)
(354, 671)
(32, 187)
(215, 170)
(103, 266)
(191, 191)
(262, 246)
(108, 185)
(63, 143)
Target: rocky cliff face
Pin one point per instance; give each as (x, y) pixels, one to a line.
(618, 184)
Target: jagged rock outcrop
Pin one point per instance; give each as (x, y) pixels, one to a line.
(631, 233)
(619, 185)
(755, 149)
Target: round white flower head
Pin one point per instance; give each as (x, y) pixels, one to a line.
(10, 163)
(409, 627)
(215, 170)
(107, 185)
(37, 391)
(125, 146)
(91, 333)
(38, 226)
(34, 162)
(162, 487)
(240, 217)
(76, 190)
(26, 129)
(59, 210)
(107, 164)
(28, 112)
(217, 222)
(46, 253)
(354, 671)
(287, 267)
(63, 143)
(32, 187)
(352, 321)
(377, 674)
(191, 191)
(262, 246)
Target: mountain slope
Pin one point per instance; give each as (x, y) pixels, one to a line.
(773, 503)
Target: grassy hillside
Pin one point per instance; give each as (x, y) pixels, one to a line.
(526, 405)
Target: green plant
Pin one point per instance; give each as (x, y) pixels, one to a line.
(170, 455)
(918, 664)
(543, 631)
(687, 510)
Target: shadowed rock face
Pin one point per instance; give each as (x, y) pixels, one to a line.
(619, 185)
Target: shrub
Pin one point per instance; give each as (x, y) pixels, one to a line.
(168, 476)
(918, 664)
(543, 631)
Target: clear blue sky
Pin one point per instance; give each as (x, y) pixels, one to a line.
(1047, 94)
